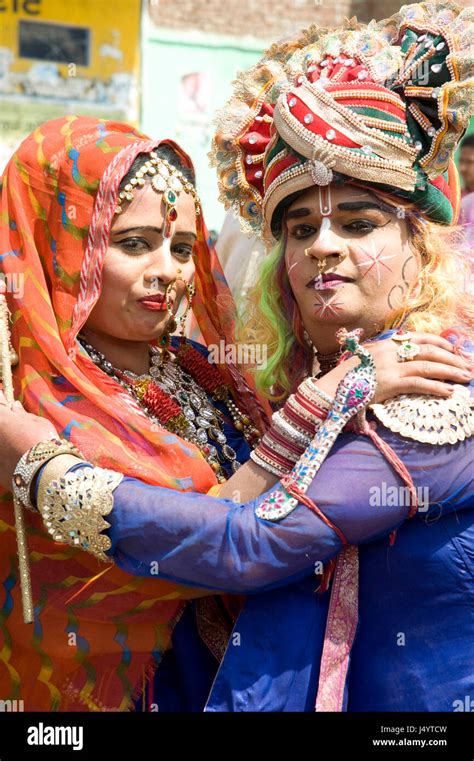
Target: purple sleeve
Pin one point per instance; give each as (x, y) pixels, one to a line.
(215, 543)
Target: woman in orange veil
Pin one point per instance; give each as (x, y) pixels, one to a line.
(98, 633)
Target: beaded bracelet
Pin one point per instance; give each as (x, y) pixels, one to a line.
(353, 394)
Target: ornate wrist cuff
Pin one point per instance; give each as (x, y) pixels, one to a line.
(73, 507)
(32, 461)
(53, 471)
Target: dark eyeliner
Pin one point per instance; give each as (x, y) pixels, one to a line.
(361, 225)
(129, 249)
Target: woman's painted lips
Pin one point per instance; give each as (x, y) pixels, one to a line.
(327, 281)
(155, 303)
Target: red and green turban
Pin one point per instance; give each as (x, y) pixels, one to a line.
(382, 105)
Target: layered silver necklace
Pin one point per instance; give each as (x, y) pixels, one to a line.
(204, 422)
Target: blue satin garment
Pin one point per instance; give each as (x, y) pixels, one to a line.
(414, 644)
(413, 649)
(187, 670)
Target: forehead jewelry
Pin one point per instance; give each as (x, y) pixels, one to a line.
(166, 179)
(325, 205)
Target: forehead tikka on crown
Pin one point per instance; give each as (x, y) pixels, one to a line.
(166, 179)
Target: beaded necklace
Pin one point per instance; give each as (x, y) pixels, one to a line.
(323, 363)
(174, 394)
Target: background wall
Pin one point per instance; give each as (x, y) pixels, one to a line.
(66, 56)
(193, 49)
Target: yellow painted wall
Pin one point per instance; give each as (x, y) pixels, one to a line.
(112, 22)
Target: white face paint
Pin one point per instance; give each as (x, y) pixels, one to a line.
(325, 207)
(166, 247)
(289, 268)
(328, 306)
(324, 229)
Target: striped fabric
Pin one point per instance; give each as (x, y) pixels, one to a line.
(97, 630)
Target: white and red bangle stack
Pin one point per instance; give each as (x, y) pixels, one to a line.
(292, 428)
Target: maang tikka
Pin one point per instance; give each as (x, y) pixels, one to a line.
(166, 179)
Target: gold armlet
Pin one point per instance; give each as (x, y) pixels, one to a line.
(73, 505)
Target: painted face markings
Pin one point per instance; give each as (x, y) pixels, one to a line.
(391, 296)
(166, 247)
(328, 306)
(403, 270)
(291, 267)
(374, 260)
(324, 229)
(290, 260)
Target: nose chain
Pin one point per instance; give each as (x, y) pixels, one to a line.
(321, 263)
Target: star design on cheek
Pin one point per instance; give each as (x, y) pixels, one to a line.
(375, 259)
(329, 306)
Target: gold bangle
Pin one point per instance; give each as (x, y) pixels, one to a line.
(32, 461)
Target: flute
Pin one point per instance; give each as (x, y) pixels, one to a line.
(7, 358)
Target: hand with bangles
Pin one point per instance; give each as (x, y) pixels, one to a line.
(397, 372)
